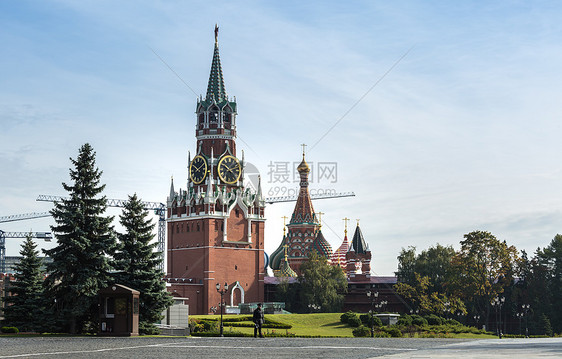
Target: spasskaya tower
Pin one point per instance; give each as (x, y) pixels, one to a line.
(216, 225)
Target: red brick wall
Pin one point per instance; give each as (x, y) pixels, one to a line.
(200, 260)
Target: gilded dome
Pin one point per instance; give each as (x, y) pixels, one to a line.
(303, 166)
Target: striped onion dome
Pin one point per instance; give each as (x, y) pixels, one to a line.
(322, 246)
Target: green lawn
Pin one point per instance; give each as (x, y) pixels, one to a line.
(317, 324)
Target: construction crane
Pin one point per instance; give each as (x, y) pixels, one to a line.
(19, 217)
(158, 208)
(3, 235)
(272, 200)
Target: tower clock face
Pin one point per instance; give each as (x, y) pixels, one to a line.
(229, 169)
(198, 169)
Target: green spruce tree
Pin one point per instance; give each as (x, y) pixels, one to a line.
(138, 264)
(24, 308)
(85, 243)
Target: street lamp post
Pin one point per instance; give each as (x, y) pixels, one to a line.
(372, 295)
(519, 316)
(526, 308)
(477, 319)
(497, 303)
(222, 292)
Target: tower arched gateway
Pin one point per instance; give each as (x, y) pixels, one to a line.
(216, 225)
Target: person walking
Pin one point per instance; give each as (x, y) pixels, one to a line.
(258, 321)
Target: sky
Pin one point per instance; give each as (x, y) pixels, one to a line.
(442, 117)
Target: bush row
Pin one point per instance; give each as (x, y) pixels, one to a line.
(353, 320)
(384, 332)
(9, 330)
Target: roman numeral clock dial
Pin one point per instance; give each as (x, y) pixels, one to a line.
(198, 169)
(229, 169)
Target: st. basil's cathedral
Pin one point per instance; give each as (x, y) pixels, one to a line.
(215, 226)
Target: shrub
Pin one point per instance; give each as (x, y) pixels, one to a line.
(433, 319)
(9, 330)
(209, 326)
(394, 332)
(418, 320)
(354, 322)
(452, 322)
(361, 331)
(365, 320)
(344, 318)
(240, 318)
(148, 329)
(405, 320)
(198, 326)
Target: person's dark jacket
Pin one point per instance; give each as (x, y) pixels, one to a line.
(258, 316)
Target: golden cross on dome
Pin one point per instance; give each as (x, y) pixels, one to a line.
(345, 221)
(357, 222)
(303, 149)
(216, 32)
(284, 224)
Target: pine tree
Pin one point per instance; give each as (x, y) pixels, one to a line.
(85, 243)
(138, 264)
(545, 326)
(24, 307)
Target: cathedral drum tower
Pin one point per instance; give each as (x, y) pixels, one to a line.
(215, 226)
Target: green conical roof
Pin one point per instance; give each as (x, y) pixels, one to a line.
(215, 88)
(358, 244)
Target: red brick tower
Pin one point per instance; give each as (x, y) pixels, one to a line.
(215, 226)
(358, 258)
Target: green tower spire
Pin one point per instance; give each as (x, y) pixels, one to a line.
(215, 88)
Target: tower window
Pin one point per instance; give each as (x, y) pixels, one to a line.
(235, 267)
(198, 228)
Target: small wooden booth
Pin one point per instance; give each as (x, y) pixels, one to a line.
(119, 311)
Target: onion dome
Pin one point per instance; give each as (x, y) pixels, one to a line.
(276, 257)
(358, 244)
(322, 246)
(285, 270)
(338, 257)
(303, 166)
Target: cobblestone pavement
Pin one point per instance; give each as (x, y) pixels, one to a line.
(234, 348)
(491, 348)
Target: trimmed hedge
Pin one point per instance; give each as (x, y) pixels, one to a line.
(9, 330)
